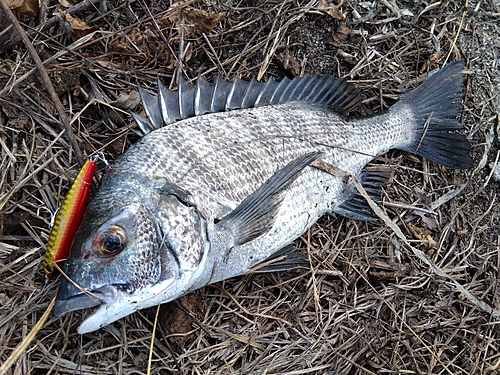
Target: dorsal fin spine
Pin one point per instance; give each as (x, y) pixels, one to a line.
(269, 82)
(213, 98)
(287, 92)
(186, 99)
(151, 107)
(169, 104)
(318, 95)
(197, 96)
(280, 89)
(180, 90)
(249, 98)
(308, 89)
(331, 89)
(143, 123)
(298, 88)
(236, 82)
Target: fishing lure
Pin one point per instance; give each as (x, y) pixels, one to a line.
(69, 217)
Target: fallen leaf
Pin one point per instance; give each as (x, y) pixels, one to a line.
(430, 220)
(204, 22)
(127, 100)
(289, 63)
(78, 27)
(431, 61)
(5, 33)
(15, 117)
(331, 9)
(195, 21)
(108, 64)
(340, 35)
(385, 275)
(423, 234)
(176, 321)
(29, 8)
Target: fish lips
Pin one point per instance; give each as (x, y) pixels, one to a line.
(113, 303)
(104, 295)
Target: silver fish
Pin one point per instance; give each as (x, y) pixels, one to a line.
(229, 174)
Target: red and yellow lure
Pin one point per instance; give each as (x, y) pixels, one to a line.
(69, 218)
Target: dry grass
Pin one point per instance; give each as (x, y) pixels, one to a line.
(373, 302)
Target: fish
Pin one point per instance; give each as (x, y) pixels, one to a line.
(228, 175)
(68, 219)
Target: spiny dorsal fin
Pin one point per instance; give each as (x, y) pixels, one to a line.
(187, 101)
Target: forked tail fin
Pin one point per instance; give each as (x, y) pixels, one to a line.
(435, 105)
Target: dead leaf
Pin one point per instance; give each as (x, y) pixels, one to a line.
(65, 80)
(108, 64)
(340, 35)
(423, 234)
(127, 100)
(430, 220)
(15, 117)
(289, 63)
(385, 275)
(28, 8)
(203, 21)
(6, 33)
(78, 27)
(195, 21)
(431, 61)
(176, 321)
(331, 9)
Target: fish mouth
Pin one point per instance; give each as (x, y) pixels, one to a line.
(108, 304)
(104, 295)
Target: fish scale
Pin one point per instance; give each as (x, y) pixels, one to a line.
(209, 196)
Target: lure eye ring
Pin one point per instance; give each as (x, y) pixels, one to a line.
(111, 241)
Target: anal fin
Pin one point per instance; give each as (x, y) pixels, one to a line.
(291, 260)
(357, 207)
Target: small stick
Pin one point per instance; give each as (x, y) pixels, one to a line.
(151, 346)
(46, 80)
(409, 207)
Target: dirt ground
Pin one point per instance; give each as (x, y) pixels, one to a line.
(415, 295)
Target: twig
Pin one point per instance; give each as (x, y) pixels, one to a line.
(46, 80)
(151, 346)
(458, 32)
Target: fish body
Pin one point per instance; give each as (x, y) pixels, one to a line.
(216, 194)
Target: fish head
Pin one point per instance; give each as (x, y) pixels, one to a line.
(130, 258)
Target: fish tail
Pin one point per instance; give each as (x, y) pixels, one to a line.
(435, 105)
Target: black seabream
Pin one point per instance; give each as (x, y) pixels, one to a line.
(227, 175)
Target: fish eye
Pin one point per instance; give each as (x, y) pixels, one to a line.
(111, 241)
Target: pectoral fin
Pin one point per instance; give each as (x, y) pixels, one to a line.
(256, 214)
